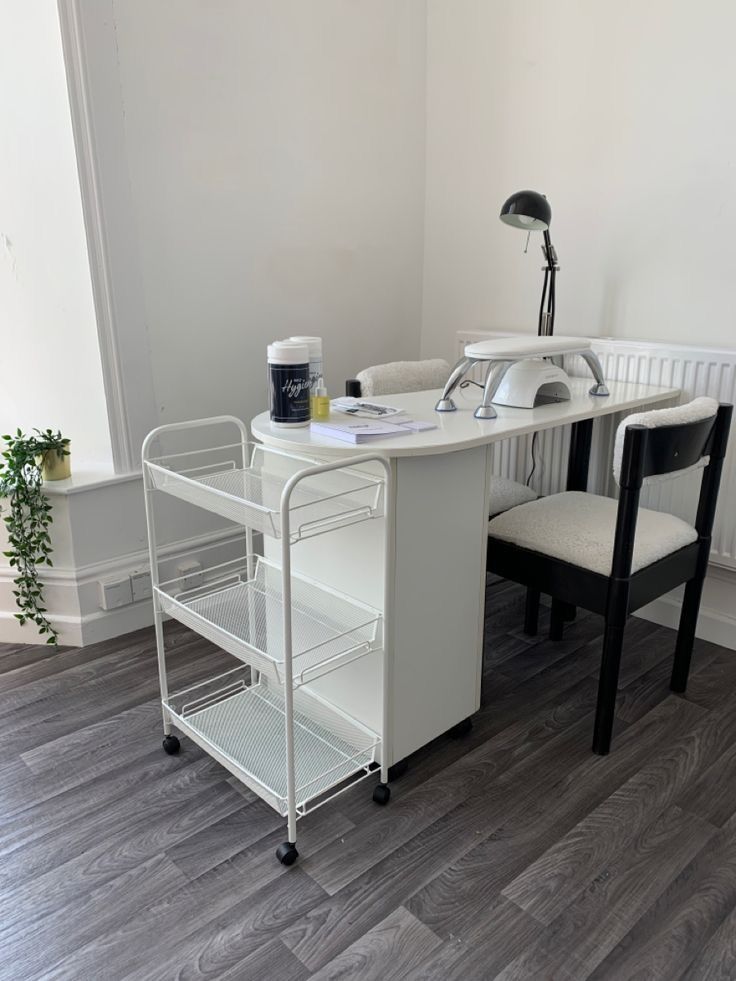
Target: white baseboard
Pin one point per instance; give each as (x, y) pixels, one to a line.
(716, 622)
(717, 618)
(714, 625)
(83, 630)
(72, 596)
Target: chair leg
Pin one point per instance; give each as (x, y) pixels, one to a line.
(613, 642)
(686, 634)
(556, 620)
(531, 612)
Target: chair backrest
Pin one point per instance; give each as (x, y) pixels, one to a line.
(678, 438)
(668, 448)
(397, 377)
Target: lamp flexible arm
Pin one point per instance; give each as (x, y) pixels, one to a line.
(540, 328)
(547, 317)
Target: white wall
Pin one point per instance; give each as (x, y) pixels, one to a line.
(251, 170)
(50, 372)
(263, 169)
(275, 154)
(622, 113)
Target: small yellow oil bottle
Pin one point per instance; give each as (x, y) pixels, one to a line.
(321, 402)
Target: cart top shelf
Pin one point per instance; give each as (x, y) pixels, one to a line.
(244, 482)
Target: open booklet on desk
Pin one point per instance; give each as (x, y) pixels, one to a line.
(352, 429)
(361, 407)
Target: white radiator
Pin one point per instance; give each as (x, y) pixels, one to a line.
(697, 371)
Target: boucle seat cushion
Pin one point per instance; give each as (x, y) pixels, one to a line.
(507, 494)
(579, 528)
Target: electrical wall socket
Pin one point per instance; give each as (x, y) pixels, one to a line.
(113, 593)
(140, 583)
(190, 569)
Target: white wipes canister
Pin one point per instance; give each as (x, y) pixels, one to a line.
(316, 369)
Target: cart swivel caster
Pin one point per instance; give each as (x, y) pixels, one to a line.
(382, 793)
(287, 853)
(461, 730)
(171, 745)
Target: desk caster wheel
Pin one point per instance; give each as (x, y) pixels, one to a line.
(382, 794)
(171, 745)
(287, 853)
(462, 729)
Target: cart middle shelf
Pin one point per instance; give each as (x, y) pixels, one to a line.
(240, 608)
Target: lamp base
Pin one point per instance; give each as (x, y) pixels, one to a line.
(533, 381)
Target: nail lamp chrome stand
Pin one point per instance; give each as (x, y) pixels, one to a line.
(519, 357)
(520, 376)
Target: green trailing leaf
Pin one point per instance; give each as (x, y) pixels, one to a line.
(28, 519)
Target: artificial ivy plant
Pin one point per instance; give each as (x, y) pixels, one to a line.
(28, 519)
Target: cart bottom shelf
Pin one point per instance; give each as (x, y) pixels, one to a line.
(245, 729)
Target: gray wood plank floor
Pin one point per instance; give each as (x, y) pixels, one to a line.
(512, 853)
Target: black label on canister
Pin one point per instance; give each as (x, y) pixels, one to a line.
(289, 392)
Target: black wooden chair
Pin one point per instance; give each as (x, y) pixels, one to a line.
(613, 558)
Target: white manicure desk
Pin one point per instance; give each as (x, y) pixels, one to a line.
(440, 489)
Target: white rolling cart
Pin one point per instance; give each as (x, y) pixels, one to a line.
(261, 719)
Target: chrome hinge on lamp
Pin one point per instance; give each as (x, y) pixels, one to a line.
(515, 379)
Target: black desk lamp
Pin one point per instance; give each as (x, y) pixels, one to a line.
(531, 212)
(524, 378)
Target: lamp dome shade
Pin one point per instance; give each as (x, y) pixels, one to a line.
(528, 210)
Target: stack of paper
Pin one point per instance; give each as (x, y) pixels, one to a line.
(362, 430)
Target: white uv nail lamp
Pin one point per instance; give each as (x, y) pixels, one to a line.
(520, 373)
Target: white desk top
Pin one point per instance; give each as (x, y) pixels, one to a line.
(460, 430)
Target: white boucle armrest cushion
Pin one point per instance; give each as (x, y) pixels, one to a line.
(695, 411)
(403, 376)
